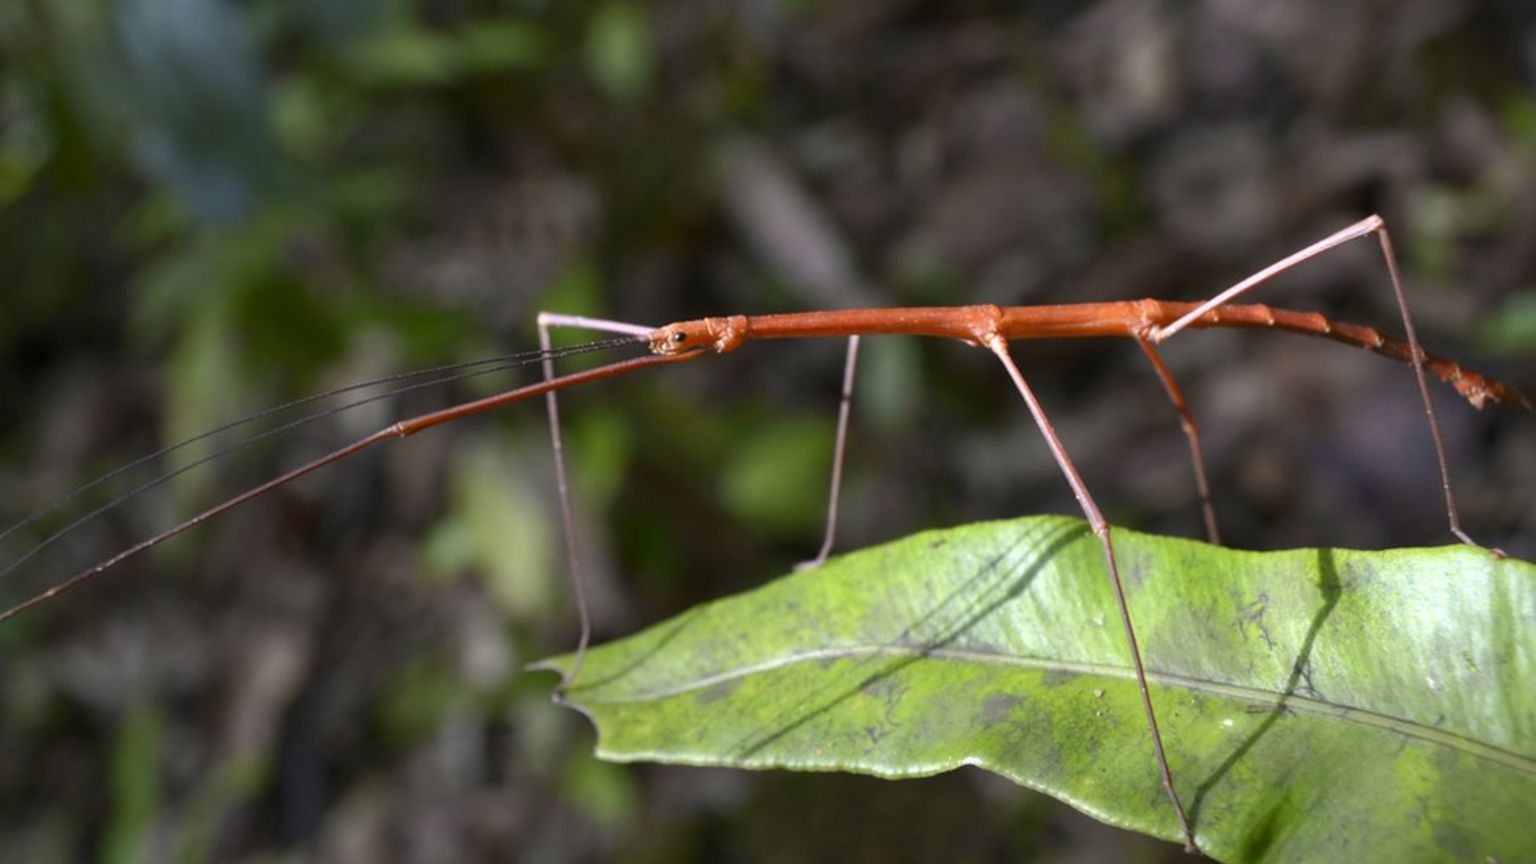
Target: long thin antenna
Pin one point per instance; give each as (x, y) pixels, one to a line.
(446, 373)
(397, 430)
(511, 361)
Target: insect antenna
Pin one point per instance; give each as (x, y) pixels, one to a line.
(419, 379)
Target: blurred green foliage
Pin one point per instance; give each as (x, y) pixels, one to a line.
(777, 473)
(135, 785)
(1513, 327)
(619, 50)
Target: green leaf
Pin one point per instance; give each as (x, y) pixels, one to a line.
(776, 479)
(619, 50)
(495, 44)
(406, 56)
(135, 784)
(1317, 704)
(1512, 328)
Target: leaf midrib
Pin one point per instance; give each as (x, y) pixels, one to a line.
(1259, 696)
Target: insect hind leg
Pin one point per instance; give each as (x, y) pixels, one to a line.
(1191, 434)
(1370, 226)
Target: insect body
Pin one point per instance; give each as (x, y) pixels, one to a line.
(1148, 322)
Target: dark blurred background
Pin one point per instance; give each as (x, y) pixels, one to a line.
(207, 207)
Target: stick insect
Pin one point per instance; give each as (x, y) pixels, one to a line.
(1148, 322)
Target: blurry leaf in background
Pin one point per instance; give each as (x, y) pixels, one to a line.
(512, 539)
(494, 44)
(400, 51)
(605, 791)
(135, 786)
(601, 447)
(199, 104)
(233, 784)
(539, 739)
(1434, 217)
(426, 334)
(448, 547)
(204, 388)
(288, 330)
(422, 693)
(578, 290)
(1440, 218)
(337, 22)
(778, 474)
(67, 52)
(184, 283)
(237, 325)
(1519, 115)
(24, 139)
(405, 55)
(1512, 328)
(307, 116)
(889, 389)
(619, 50)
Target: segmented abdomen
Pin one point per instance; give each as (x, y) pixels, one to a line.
(1476, 387)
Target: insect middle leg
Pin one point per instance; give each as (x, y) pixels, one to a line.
(1101, 529)
(839, 447)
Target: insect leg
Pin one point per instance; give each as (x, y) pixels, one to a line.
(844, 407)
(1191, 433)
(546, 321)
(1372, 225)
(1101, 529)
